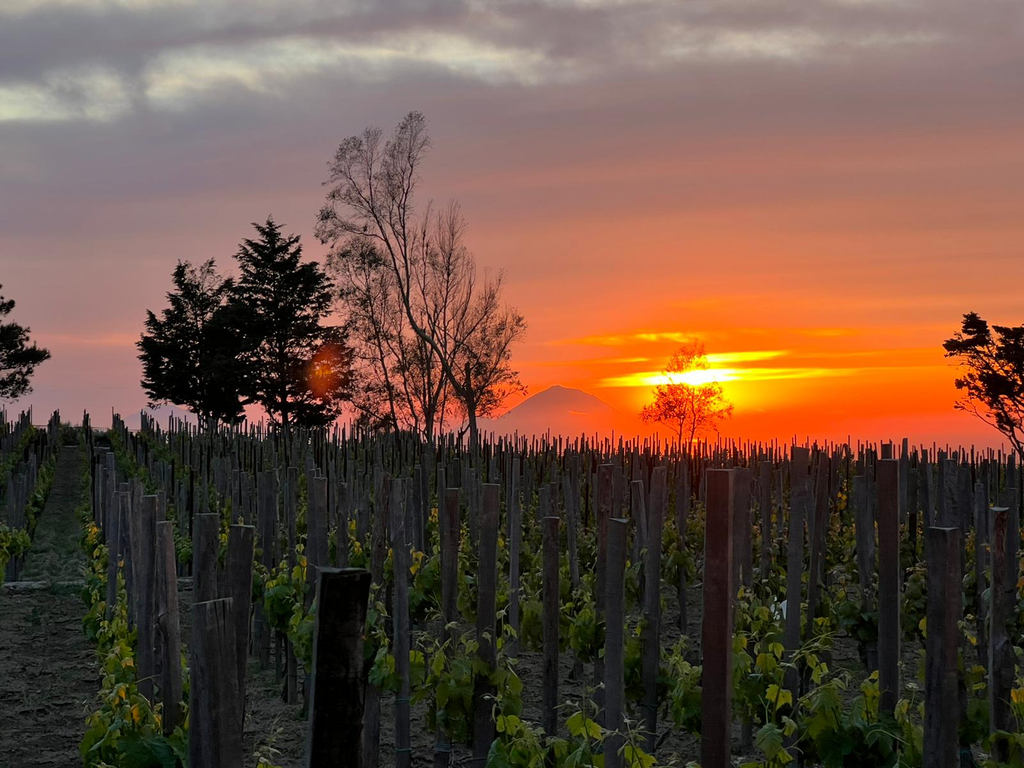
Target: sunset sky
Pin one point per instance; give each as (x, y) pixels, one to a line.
(818, 189)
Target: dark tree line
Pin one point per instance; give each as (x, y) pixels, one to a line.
(261, 339)
(424, 342)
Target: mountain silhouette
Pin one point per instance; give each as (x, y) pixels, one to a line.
(560, 411)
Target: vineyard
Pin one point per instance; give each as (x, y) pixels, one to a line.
(371, 599)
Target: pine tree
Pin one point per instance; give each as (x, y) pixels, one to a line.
(18, 357)
(188, 354)
(295, 367)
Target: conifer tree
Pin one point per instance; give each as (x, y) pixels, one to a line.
(294, 365)
(188, 354)
(18, 356)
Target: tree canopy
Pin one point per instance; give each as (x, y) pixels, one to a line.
(19, 356)
(992, 374)
(687, 404)
(431, 338)
(259, 339)
(188, 354)
(292, 364)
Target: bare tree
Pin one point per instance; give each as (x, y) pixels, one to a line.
(684, 402)
(400, 381)
(450, 338)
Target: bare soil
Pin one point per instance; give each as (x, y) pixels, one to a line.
(48, 676)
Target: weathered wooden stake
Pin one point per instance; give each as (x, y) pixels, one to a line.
(337, 681)
(167, 627)
(1000, 676)
(402, 641)
(205, 542)
(942, 703)
(614, 648)
(716, 637)
(887, 478)
(238, 586)
(144, 561)
(487, 587)
(549, 680)
(652, 604)
(215, 708)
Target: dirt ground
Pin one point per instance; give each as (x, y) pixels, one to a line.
(47, 673)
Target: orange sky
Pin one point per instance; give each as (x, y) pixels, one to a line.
(827, 184)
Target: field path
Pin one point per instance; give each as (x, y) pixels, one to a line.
(47, 675)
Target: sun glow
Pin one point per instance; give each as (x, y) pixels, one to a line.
(696, 378)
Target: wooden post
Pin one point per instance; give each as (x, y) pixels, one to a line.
(238, 586)
(942, 701)
(378, 555)
(316, 524)
(290, 500)
(549, 681)
(716, 637)
(682, 516)
(337, 681)
(1000, 677)
(982, 530)
(144, 543)
(450, 529)
(205, 542)
(570, 493)
(605, 494)
(487, 586)
(341, 534)
(402, 557)
(266, 518)
(817, 530)
(638, 516)
(215, 709)
(795, 560)
(764, 503)
(652, 607)
(515, 535)
(864, 530)
(743, 550)
(450, 534)
(614, 648)
(887, 478)
(167, 627)
(113, 532)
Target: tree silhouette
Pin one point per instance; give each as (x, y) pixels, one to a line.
(402, 381)
(293, 365)
(18, 357)
(452, 325)
(188, 354)
(685, 403)
(992, 374)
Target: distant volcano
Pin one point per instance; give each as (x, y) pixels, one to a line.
(560, 411)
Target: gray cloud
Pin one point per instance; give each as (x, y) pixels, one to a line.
(103, 61)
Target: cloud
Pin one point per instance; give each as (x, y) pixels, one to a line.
(175, 79)
(174, 52)
(95, 94)
(650, 379)
(749, 356)
(626, 339)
